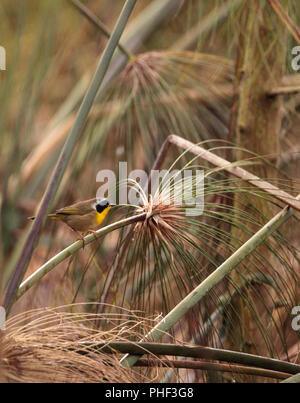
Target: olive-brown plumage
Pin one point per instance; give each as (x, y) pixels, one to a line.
(83, 216)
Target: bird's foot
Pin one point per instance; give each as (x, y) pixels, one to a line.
(80, 237)
(91, 231)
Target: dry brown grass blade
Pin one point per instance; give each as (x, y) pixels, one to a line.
(283, 90)
(42, 364)
(286, 19)
(211, 366)
(290, 85)
(46, 345)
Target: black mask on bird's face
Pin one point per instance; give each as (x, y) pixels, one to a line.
(102, 205)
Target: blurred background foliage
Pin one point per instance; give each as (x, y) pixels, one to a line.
(182, 78)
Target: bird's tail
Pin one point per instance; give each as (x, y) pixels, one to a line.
(53, 216)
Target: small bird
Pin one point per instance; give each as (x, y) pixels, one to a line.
(82, 216)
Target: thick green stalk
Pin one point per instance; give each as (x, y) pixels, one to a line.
(98, 23)
(70, 250)
(214, 278)
(66, 154)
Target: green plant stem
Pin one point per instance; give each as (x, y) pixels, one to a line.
(214, 278)
(98, 23)
(70, 250)
(66, 153)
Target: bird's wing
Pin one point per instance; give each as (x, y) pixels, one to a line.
(79, 208)
(67, 211)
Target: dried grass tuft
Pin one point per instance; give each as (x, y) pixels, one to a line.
(57, 345)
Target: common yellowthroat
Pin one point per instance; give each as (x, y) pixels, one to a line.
(82, 216)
